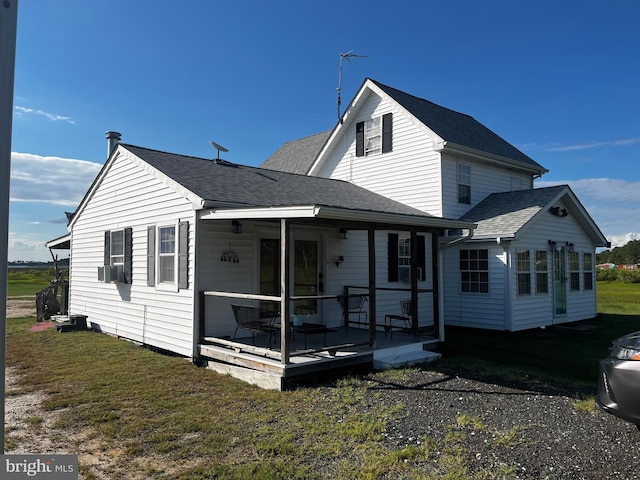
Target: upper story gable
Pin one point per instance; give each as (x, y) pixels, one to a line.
(413, 151)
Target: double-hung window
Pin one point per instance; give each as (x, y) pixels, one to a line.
(587, 267)
(464, 183)
(542, 272)
(524, 272)
(116, 250)
(374, 135)
(118, 255)
(399, 257)
(404, 257)
(516, 184)
(574, 269)
(474, 271)
(167, 256)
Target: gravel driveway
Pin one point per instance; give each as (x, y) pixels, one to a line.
(539, 433)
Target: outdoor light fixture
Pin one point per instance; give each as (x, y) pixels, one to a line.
(552, 245)
(343, 233)
(339, 260)
(570, 247)
(237, 226)
(557, 212)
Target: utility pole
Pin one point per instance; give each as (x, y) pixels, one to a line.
(8, 32)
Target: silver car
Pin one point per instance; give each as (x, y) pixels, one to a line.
(619, 383)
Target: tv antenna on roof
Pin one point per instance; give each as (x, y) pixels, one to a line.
(220, 148)
(349, 55)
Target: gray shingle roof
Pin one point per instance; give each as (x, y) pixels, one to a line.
(504, 214)
(456, 127)
(297, 156)
(244, 186)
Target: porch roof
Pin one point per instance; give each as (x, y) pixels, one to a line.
(337, 214)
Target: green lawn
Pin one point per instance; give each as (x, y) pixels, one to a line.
(27, 282)
(159, 415)
(555, 354)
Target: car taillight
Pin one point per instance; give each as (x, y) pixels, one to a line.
(624, 353)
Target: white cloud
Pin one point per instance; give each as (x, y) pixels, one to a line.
(51, 116)
(613, 204)
(55, 180)
(28, 246)
(557, 147)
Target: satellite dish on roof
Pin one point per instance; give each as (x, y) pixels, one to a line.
(220, 148)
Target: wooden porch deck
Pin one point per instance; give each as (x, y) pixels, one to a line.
(250, 359)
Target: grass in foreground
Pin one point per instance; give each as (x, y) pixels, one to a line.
(157, 416)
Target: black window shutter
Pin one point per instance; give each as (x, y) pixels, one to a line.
(128, 254)
(392, 258)
(360, 139)
(422, 259)
(107, 248)
(151, 256)
(183, 255)
(387, 137)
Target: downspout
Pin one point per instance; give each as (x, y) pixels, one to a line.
(441, 248)
(198, 300)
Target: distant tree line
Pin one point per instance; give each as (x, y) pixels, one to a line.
(628, 254)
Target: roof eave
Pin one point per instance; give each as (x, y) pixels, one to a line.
(454, 148)
(333, 213)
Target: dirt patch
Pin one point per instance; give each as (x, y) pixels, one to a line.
(27, 425)
(21, 307)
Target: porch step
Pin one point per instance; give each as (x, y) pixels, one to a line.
(405, 355)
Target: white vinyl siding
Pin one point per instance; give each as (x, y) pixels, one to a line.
(475, 310)
(415, 164)
(537, 310)
(128, 196)
(485, 180)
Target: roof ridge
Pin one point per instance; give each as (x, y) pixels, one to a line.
(241, 165)
(384, 86)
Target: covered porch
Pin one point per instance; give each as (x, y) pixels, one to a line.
(323, 332)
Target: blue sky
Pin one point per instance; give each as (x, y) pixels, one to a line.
(559, 80)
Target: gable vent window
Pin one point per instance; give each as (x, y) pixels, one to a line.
(374, 136)
(464, 183)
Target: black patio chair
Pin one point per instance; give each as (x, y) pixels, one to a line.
(256, 320)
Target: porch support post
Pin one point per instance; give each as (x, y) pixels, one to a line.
(414, 283)
(372, 285)
(435, 283)
(285, 328)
